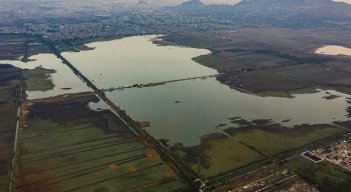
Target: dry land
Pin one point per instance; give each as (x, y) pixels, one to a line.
(10, 82)
(270, 60)
(20, 46)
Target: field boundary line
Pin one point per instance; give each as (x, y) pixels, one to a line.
(14, 158)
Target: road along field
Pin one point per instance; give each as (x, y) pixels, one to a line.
(65, 146)
(10, 86)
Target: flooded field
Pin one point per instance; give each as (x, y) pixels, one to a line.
(334, 50)
(62, 78)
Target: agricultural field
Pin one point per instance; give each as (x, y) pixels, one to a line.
(271, 60)
(241, 148)
(223, 155)
(65, 146)
(7, 131)
(10, 80)
(18, 46)
(273, 143)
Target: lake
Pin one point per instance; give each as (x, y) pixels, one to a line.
(63, 78)
(136, 60)
(185, 111)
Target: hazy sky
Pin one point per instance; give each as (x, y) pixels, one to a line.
(218, 1)
(214, 1)
(174, 2)
(346, 1)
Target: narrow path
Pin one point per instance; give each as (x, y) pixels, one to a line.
(156, 83)
(14, 158)
(243, 143)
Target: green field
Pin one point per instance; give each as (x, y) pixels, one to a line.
(250, 145)
(38, 79)
(272, 143)
(225, 155)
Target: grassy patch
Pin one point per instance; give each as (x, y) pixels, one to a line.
(271, 143)
(38, 79)
(225, 155)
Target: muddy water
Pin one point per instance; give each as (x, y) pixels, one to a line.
(64, 80)
(334, 50)
(187, 110)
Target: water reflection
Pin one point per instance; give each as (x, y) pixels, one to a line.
(185, 111)
(137, 60)
(64, 79)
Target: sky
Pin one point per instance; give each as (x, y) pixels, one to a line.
(215, 1)
(346, 1)
(236, 1)
(175, 2)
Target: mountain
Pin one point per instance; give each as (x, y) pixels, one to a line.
(293, 13)
(322, 7)
(142, 2)
(192, 4)
(279, 13)
(197, 8)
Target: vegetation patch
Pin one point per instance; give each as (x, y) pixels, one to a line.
(223, 155)
(65, 146)
(39, 79)
(272, 143)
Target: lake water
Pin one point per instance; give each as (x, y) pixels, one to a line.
(63, 78)
(334, 50)
(187, 110)
(136, 60)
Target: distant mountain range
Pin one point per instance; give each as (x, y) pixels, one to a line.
(275, 12)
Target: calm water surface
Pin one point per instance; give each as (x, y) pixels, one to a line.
(137, 60)
(187, 110)
(204, 104)
(180, 111)
(63, 78)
